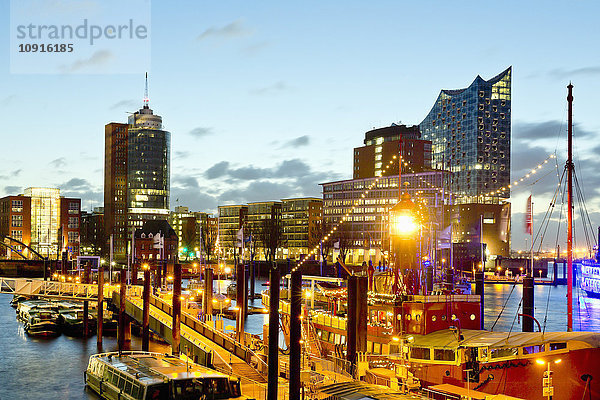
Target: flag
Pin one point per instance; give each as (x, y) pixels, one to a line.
(248, 239)
(239, 237)
(529, 217)
(158, 241)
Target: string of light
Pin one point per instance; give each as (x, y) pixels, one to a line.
(356, 203)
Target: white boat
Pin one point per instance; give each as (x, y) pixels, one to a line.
(144, 375)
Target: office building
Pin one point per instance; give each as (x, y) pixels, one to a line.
(231, 219)
(15, 221)
(136, 175)
(365, 231)
(470, 134)
(92, 233)
(70, 224)
(382, 144)
(191, 228)
(45, 219)
(300, 217)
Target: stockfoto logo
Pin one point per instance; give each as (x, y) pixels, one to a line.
(74, 36)
(84, 31)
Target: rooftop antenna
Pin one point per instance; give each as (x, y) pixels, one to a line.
(146, 99)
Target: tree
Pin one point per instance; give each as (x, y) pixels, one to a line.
(318, 231)
(188, 236)
(343, 236)
(209, 240)
(270, 233)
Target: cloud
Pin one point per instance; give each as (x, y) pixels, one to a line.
(197, 199)
(98, 59)
(561, 73)
(59, 162)
(218, 170)
(259, 191)
(182, 154)
(125, 104)
(16, 172)
(186, 182)
(297, 142)
(12, 190)
(232, 30)
(83, 189)
(200, 132)
(275, 88)
(254, 49)
(531, 131)
(75, 184)
(8, 100)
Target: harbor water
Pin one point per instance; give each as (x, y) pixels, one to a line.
(32, 368)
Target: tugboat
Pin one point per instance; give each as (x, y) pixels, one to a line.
(146, 376)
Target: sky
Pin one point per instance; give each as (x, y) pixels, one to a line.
(265, 100)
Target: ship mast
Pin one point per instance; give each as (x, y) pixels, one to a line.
(570, 211)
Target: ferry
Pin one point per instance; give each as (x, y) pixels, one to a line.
(590, 278)
(147, 376)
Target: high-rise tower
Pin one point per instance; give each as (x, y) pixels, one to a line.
(137, 174)
(470, 132)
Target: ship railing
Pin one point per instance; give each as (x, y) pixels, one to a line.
(437, 395)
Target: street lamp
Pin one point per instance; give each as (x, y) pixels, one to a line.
(547, 388)
(403, 225)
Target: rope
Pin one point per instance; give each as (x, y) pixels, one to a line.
(504, 306)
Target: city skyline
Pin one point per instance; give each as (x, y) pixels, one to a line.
(282, 124)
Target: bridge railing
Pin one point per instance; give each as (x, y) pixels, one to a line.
(70, 290)
(236, 348)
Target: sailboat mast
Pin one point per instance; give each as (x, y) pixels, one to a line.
(570, 212)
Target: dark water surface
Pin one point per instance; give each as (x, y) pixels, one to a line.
(53, 368)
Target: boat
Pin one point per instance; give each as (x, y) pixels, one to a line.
(42, 323)
(17, 298)
(147, 376)
(24, 307)
(71, 322)
(438, 338)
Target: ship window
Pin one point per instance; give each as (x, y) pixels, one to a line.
(443, 354)
(504, 352)
(533, 349)
(420, 353)
(557, 346)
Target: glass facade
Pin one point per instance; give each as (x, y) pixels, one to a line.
(45, 216)
(470, 133)
(148, 168)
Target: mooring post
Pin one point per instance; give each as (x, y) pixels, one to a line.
(146, 309)
(273, 359)
(207, 295)
(86, 304)
(295, 334)
(176, 308)
(479, 290)
(528, 303)
(100, 312)
(122, 294)
(240, 300)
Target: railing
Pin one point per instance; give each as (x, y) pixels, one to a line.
(77, 291)
(218, 337)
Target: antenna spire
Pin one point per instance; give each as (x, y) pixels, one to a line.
(146, 99)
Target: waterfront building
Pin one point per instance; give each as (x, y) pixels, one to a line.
(258, 212)
(365, 231)
(231, 219)
(70, 217)
(42, 219)
(45, 217)
(156, 241)
(191, 228)
(382, 144)
(470, 130)
(115, 186)
(92, 233)
(300, 217)
(136, 175)
(15, 221)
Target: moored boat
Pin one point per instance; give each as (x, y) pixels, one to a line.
(42, 323)
(144, 375)
(71, 322)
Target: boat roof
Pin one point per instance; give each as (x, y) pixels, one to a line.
(151, 368)
(477, 338)
(361, 390)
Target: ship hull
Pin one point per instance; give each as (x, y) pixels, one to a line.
(522, 378)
